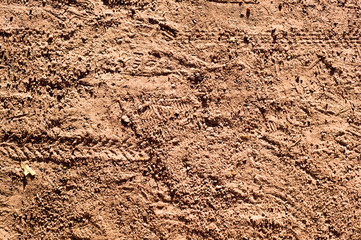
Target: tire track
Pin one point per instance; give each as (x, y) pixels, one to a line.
(70, 149)
(167, 109)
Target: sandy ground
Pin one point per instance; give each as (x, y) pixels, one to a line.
(179, 119)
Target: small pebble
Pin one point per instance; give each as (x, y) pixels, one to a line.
(125, 119)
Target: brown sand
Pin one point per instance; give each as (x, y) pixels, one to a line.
(177, 119)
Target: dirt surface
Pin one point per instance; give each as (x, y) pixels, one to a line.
(177, 119)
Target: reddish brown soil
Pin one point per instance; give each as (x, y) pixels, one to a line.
(177, 119)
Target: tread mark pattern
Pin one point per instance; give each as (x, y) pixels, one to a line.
(72, 151)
